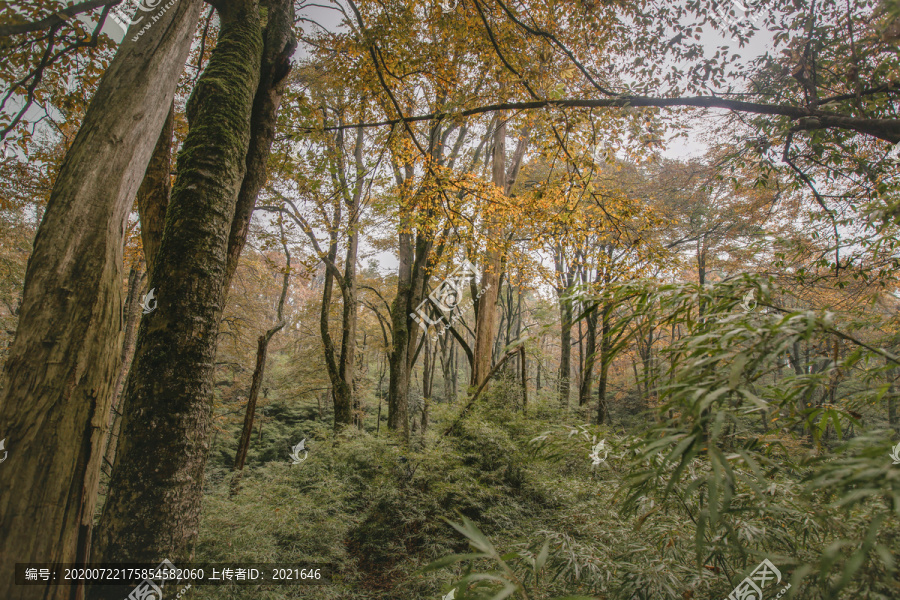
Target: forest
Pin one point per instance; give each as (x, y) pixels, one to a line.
(450, 299)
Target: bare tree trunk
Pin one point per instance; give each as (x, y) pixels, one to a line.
(398, 382)
(427, 382)
(893, 417)
(156, 188)
(63, 362)
(152, 200)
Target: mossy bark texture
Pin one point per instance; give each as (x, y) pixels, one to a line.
(153, 508)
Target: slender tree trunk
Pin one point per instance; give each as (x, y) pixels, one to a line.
(524, 378)
(454, 361)
(486, 308)
(63, 362)
(427, 381)
(262, 350)
(565, 350)
(605, 360)
(154, 513)
(587, 379)
(893, 417)
(132, 318)
(398, 382)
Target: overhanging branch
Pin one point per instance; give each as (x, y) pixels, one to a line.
(884, 129)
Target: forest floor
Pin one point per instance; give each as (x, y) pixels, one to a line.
(378, 515)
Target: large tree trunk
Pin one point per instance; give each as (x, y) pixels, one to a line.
(153, 513)
(344, 381)
(63, 362)
(342, 389)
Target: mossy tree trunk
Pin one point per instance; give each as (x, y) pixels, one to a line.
(153, 507)
(63, 363)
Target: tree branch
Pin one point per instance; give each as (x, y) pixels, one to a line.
(884, 129)
(56, 18)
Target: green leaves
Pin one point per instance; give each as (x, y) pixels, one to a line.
(510, 579)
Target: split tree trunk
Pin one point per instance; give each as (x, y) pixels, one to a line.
(64, 359)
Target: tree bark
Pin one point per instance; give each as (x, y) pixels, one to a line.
(605, 360)
(153, 195)
(132, 318)
(153, 507)
(587, 378)
(486, 308)
(63, 362)
(893, 417)
(524, 378)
